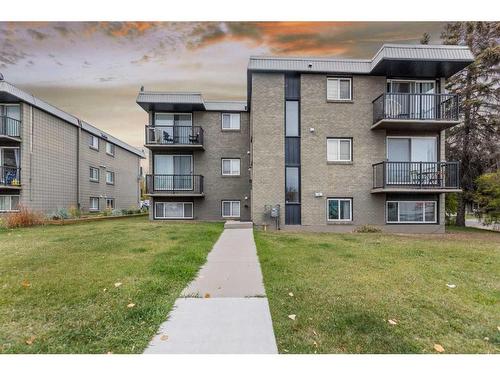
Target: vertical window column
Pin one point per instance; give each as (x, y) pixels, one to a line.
(292, 150)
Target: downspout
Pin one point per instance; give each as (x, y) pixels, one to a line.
(32, 131)
(78, 138)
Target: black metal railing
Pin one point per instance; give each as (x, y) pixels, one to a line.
(431, 107)
(10, 176)
(174, 135)
(174, 184)
(416, 175)
(10, 127)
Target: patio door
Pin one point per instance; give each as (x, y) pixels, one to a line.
(404, 155)
(12, 112)
(173, 172)
(409, 106)
(174, 127)
(9, 165)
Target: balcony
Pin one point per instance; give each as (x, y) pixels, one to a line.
(10, 129)
(169, 185)
(429, 112)
(174, 137)
(402, 176)
(10, 177)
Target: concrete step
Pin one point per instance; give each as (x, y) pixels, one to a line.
(231, 224)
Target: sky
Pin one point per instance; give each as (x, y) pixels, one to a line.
(94, 70)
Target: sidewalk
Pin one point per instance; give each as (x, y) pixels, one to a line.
(224, 310)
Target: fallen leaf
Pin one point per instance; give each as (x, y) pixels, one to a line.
(314, 332)
(392, 322)
(290, 294)
(110, 353)
(285, 350)
(486, 339)
(315, 343)
(163, 337)
(498, 327)
(438, 348)
(207, 295)
(26, 284)
(117, 285)
(292, 316)
(451, 286)
(31, 340)
(130, 305)
(105, 289)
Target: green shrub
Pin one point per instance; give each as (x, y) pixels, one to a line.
(367, 229)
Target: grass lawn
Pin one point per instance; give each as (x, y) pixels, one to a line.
(57, 283)
(347, 286)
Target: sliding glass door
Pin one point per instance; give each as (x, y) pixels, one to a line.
(173, 127)
(411, 160)
(416, 100)
(173, 172)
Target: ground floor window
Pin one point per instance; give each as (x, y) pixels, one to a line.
(9, 203)
(173, 210)
(339, 209)
(230, 208)
(94, 204)
(110, 203)
(411, 211)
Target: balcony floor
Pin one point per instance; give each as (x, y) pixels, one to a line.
(425, 125)
(433, 190)
(156, 146)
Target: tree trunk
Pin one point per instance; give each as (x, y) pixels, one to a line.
(460, 222)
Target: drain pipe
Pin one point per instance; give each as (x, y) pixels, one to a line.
(78, 139)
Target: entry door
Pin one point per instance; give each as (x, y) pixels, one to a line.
(173, 172)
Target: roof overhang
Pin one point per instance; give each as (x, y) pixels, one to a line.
(418, 68)
(170, 101)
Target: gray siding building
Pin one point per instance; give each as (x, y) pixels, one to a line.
(330, 144)
(46, 156)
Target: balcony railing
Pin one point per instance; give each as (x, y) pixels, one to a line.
(425, 107)
(174, 135)
(10, 127)
(416, 175)
(10, 176)
(174, 184)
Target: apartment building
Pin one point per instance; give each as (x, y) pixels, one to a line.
(50, 159)
(330, 144)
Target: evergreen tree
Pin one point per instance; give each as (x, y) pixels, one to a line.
(476, 141)
(425, 39)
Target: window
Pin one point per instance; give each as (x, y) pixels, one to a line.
(173, 210)
(339, 209)
(411, 212)
(110, 203)
(292, 194)
(94, 174)
(12, 125)
(94, 142)
(94, 204)
(230, 167)
(292, 118)
(230, 208)
(339, 149)
(9, 203)
(110, 149)
(230, 121)
(110, 178)
(339, 89)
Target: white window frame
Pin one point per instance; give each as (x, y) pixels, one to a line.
(411, 222)
(339, 200)
(98, 174)
(339, 79)
(107, 203)
(172, 113)
(92, 144)
(91, 208)
(232, 117)
(175, 218)
(110, 173)
(411, 138)
(110, 149)
(338, 140)
(231, 214)
(231, 172)
(10, 202)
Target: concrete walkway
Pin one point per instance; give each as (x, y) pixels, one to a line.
(224, 310)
